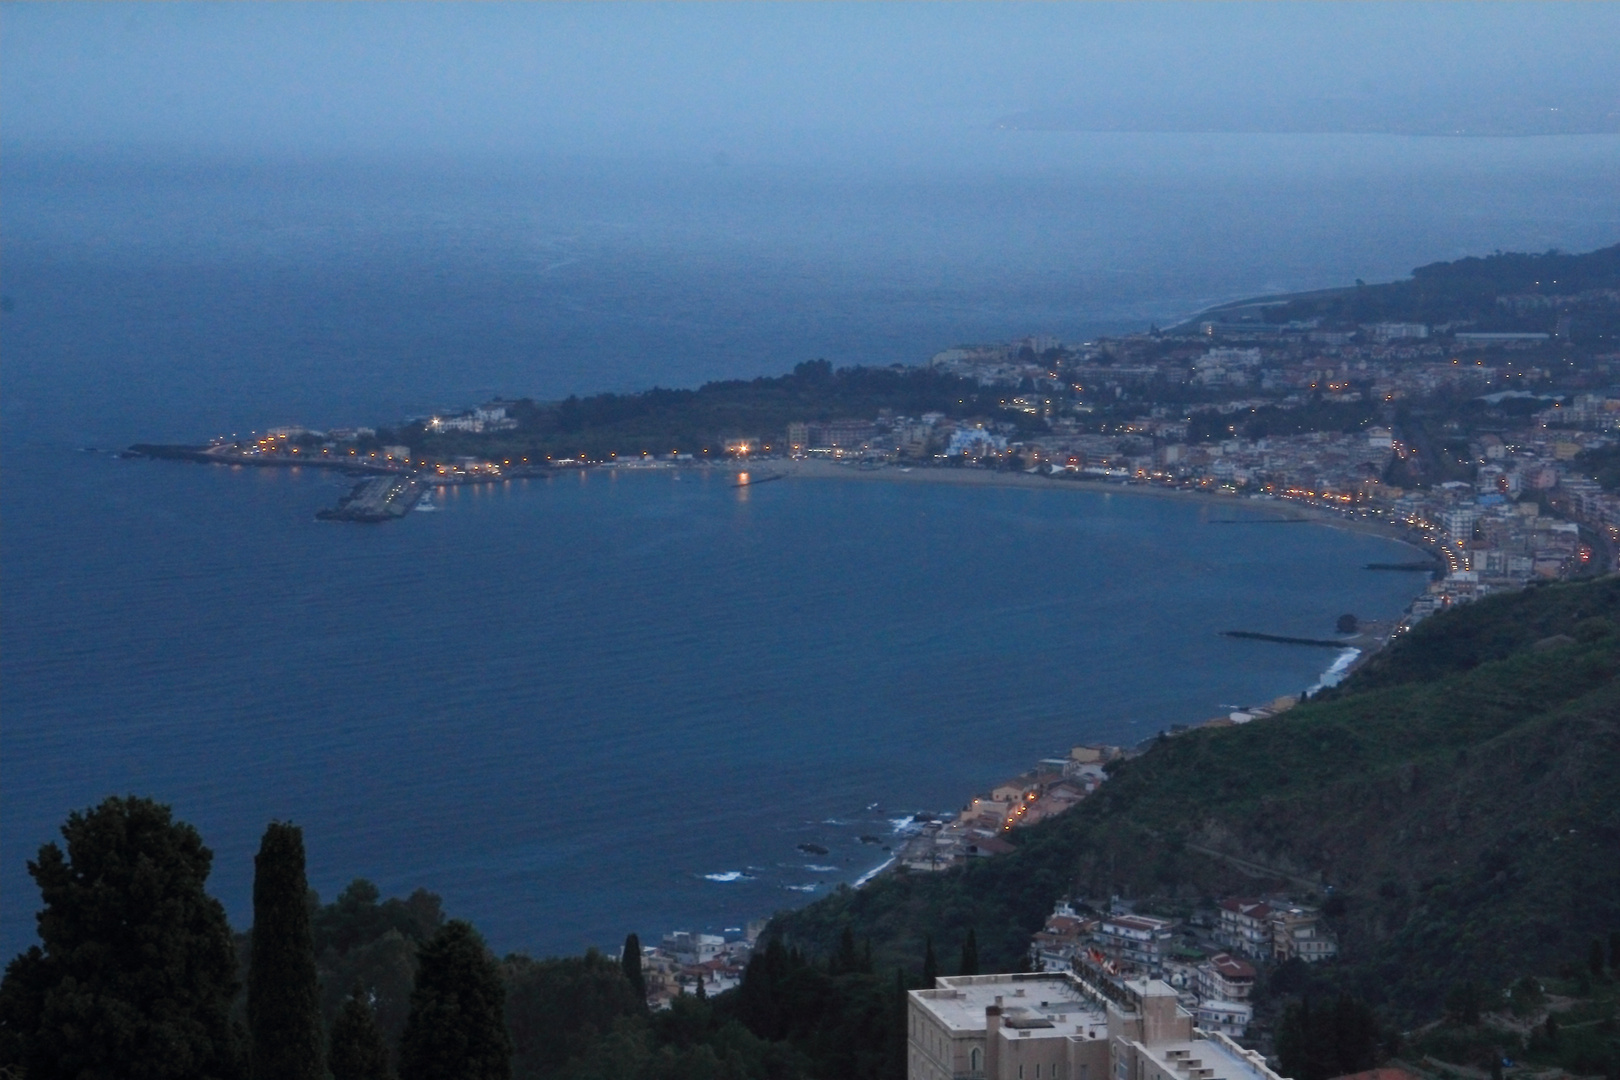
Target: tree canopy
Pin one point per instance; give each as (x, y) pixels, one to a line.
(136, 971)
(457, 1028)
(284, 994)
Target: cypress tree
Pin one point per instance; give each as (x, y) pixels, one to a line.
(456, 1029)
(970, 953)
(135, 969)
(930, 964)
(357, 1050)
(631, 962)
(284, 993)
(848, 959)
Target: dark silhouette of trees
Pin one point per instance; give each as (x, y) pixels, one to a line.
(357, 1050)
(1316, 1043)
(456, 1029)
(136, 969)
(284, 993)
(970, 953)
(631, 962)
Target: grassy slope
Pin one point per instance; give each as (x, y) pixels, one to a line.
(1461, 795)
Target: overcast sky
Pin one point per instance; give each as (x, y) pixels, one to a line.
(779, 79)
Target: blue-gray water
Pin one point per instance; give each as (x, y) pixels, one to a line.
(563, 703)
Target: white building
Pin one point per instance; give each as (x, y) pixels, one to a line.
(1058, 1027)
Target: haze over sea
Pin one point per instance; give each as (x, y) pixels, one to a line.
(568, 705)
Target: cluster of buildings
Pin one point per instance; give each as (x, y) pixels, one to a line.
(1053, 786)
(684, 961)
(1519, 516)
(1209, 960)
(1065, 1026)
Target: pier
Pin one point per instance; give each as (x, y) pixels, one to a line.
(376, 499)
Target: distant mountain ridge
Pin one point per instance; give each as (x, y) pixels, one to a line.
(1456, 804)
(1505, 291)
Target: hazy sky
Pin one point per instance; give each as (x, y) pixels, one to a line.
(745, 79)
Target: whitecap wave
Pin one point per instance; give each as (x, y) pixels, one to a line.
(802, 888)
(904, 825)
(1334, 675)
(872, 873)
(834, 821)
(820, 869)
(728, 875)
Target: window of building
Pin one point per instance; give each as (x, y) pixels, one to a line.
(976, 1060)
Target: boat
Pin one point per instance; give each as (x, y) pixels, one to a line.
(425, 504)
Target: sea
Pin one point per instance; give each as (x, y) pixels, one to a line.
(608, 702)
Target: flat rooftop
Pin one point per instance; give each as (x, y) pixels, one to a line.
(1044, 1005)
(1216, 1061)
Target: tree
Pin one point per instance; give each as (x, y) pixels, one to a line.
(930, 964)
(1463, 1002)
(357, 1050)
(592, 992)
(970, 953)
(456, 1030)
(1316, 1043)
(284, 993)
(631, 962)
(136, 970)
(848, 959)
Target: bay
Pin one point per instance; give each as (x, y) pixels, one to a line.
(570, 705)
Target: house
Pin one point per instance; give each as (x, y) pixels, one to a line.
(1246, 926)
(1225, 978)
(1137, 941)
(1227, 1017)
(1298, 931)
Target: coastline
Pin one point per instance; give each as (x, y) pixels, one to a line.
(805, 469)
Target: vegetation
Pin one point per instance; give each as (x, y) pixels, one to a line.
(135, 973)
(357, 1050)
(1602, 465)
(283, 989)
(456, 1029)
(660, 421)
(1467, 290)
(1455, 806)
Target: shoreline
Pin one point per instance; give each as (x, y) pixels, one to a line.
(928, 474)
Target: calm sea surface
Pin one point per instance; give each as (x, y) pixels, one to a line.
(593, 704)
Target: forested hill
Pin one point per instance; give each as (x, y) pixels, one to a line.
(1455, 807)
(1507, 291)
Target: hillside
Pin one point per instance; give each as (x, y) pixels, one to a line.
(1455, 806)
(1504, 292)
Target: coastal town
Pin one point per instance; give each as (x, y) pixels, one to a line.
(1477, 447)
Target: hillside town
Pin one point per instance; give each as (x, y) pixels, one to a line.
(1477, 447)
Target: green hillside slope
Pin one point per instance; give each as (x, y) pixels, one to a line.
(1455, 806)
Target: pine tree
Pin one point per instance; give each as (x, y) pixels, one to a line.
(135, 971)
(631, 962)
(970, 953)
(284, 993)
(357, 1050)
(930, 964)
(456, 1029)
(848, 959)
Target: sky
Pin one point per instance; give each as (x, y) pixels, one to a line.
(784, 81)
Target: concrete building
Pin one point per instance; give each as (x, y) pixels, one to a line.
(1060, 1027)
(1135, 941)
(1246, 926)
(1298, 931)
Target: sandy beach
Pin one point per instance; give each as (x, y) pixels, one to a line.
(966, 477)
